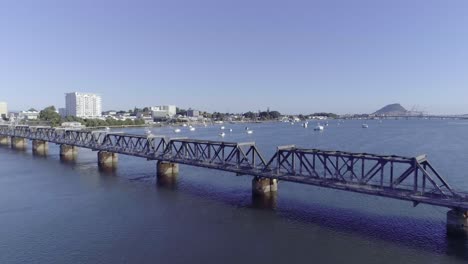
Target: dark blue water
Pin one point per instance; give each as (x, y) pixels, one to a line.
(73, 212)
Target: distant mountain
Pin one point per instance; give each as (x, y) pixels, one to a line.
(391, 109)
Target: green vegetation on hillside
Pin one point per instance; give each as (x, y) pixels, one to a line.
(391, 109)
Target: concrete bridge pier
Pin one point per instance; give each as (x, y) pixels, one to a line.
(4, 140)
(167, 174)
(40, 147)
(264, 186)
(107, 159)
(68, 152)
(265, 201)
(457, 222)
(264, 193)
(18, 143)
(169, 182)
(167, 169)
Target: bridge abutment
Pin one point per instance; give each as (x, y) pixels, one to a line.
(40, 146)
(4, 140)
(167, 169)
(457, 222)
(107, 159)
(18, 143)
(68, 152)
(264, 186)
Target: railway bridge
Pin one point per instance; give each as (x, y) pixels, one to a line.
(411, 179)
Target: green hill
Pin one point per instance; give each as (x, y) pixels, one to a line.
(391, 109)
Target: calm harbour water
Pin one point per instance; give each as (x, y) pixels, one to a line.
(73, 212)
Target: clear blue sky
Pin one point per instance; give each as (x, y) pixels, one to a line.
(292, 56)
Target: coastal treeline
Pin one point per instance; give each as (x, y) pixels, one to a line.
(49, 115)
(327, 115)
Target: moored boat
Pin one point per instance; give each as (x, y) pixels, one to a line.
(318, 127)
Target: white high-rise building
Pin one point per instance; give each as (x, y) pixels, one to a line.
(3, 109)
(85, 105)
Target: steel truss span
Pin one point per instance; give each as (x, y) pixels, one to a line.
(405, 178)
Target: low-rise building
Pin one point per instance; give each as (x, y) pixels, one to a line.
(159, 114)
(163, 111)
(29, 115)
(143, 114)
(147, 119)
(109, 113)
(123, 118)
(72, 125)
(193, 113)
(12, 116)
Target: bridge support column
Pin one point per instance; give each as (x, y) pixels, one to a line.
(457, 222)
(265, 201)
(68, 152)
(264, 186)
(18, 143)
(167, 174)
(107, 159)
(40, 146)
(4, 140)
(167, 169)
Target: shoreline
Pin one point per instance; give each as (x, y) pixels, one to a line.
(180, 124)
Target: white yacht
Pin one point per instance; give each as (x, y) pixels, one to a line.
(318, 127)
(177, 130)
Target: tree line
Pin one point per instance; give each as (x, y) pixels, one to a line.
(49, 114)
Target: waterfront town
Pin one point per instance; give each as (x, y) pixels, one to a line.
(85, 110)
